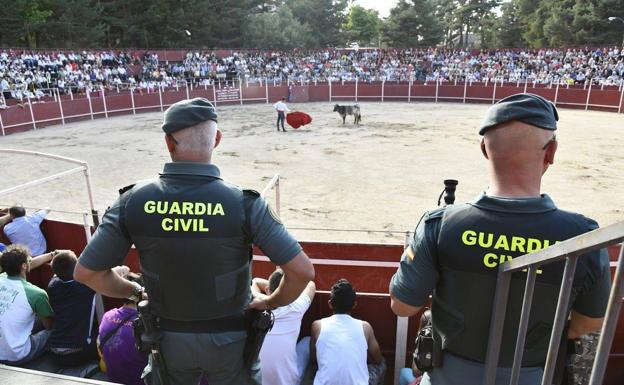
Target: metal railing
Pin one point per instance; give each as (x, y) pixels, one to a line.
(82, 167)
(569, 250)
(273, 184)
(439, 84)
(402, 329)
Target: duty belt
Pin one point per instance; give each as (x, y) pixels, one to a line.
(219, 325)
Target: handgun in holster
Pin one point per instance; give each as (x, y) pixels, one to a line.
(258, 324)
(147, 338)
(428, 353)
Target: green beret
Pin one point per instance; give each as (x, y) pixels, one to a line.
(187, 113)
(527, 108)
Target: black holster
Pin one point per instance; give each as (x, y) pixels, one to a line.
(428, 353)
(147, 338)
(258, 323)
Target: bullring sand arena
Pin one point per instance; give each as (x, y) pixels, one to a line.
(381, 175)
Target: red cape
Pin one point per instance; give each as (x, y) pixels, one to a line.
(298, 119)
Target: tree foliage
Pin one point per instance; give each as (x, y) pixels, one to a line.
(570, 22)
(307, 23)
(412, 23)
(325, 17)
(362, 25)
(277, 30)
(508, 27)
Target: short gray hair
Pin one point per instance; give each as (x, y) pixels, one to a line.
(198, 138)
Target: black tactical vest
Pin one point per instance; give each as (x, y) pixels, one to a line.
(471, 243)
(193, 249)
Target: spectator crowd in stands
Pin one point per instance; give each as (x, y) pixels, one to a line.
(573, 66)
(34, 74)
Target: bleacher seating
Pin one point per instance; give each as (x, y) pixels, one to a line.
(33, 75)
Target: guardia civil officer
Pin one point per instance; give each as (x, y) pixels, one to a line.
(193, 232)
(455, 252)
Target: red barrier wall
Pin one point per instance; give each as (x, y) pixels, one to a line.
(173, 96)
(118, 105)
(451, 92)
(548, 93)
(369, 92)
(43, 112)
(97, 106)
(253, 94)
(341, 92)
(479, 94)
(606, 98)
(396, 92)
(299, 94)
(423, 92)
(319, 93)
(201, 92)
(569, 97)
(276, 93)
(16, 119)
(76, 110)
(147, 102)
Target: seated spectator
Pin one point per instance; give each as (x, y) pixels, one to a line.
(35, 262)
(407, 376)
(124, 363)
(282, 359)
(25, 229)
(21, 303)
(72, 342)
(342, 345)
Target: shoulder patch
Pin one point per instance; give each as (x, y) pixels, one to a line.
(251, 192)
(434, 214)
(124, 189)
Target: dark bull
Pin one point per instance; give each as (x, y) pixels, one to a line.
(354, 110)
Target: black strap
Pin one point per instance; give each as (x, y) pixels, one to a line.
(123, 200)
(115, 329)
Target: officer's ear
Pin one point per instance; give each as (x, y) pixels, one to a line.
(549, 156)
(330, 304)
(483, 150)
(218, 137)
(171, 142)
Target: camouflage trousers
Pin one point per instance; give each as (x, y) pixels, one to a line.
(582, 360)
